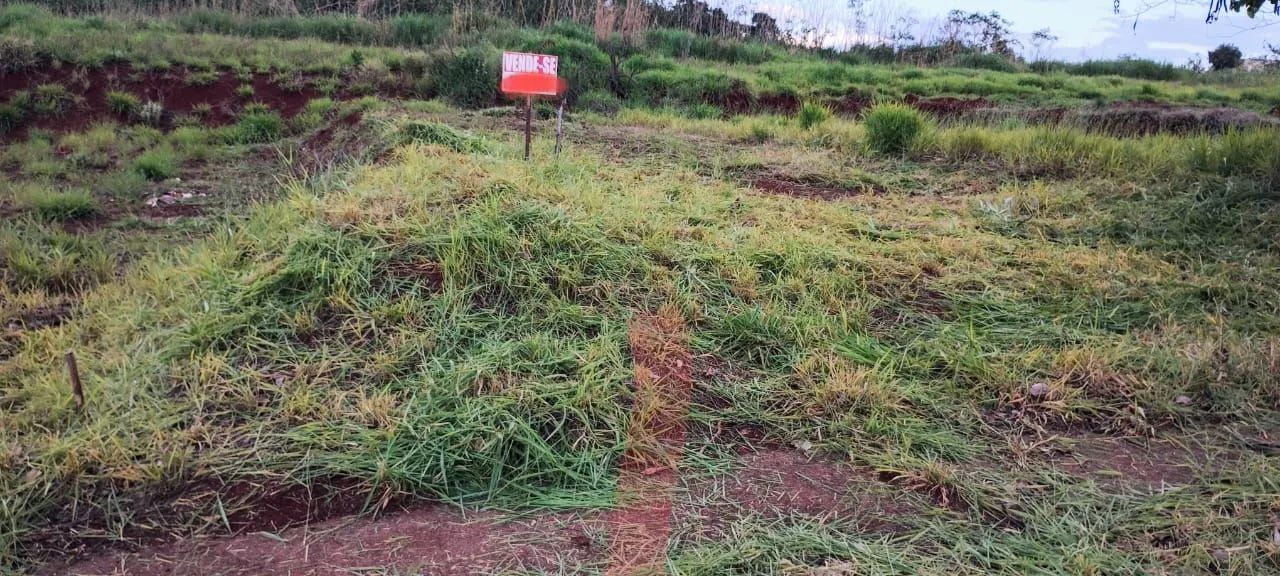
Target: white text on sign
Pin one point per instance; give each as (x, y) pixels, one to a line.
(517, 63)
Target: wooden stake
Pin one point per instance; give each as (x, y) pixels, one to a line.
(559, 126)
(528, 127)
(77, 391)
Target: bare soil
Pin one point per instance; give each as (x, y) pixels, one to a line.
(434, 539)
(174, 89)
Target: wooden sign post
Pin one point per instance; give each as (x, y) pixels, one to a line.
(530, 75)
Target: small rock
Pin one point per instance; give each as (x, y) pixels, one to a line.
(1222, 557)
(1182, 400)
(1039, 389)
(803, 445)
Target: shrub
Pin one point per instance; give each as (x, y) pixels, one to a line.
(469, 78)
(893, 128)
(123, 103)
(156, 164)
(599, 102)
(257, 125)
(1225, 57)
(813, 114)
(584, 66)
(61, 206)
(441, 135)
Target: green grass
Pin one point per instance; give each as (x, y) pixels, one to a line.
(455, 295)
(893, 128)
(424, 315)
(157, 164)
(59, 206)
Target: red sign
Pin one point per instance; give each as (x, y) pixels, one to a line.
(531, 74)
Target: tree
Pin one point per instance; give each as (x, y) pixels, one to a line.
(1225, 57)
(765, 28)
(1217, 7)
(1041, 41)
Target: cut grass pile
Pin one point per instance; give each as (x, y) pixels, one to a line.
(451, 323)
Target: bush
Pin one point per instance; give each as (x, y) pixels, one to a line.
(599, 102)
(1137, 68)
(156, 164)
(703, 111)
(584, 66)
(61, 206)
(813, 114)
(469, 78)
(123, 103)
(893, 128)
(1225, 57)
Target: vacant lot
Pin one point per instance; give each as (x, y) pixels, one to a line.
(767, 312)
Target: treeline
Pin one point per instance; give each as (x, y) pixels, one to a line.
(685, 28)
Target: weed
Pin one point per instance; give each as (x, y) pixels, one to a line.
(59, 206)
(893, 128)
(52, 100)
(257, 125)
(813, 114)
(467, 78)
(123, 104)
(16, 54)
(152, 113)
(245, 91)
(158, 163)
(52, 260)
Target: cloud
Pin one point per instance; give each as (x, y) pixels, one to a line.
(1181, 46)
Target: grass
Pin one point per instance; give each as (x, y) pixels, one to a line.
(455, 295)
(425, 316)
(60, 206)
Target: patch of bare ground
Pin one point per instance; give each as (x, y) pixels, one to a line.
(783, 186)
(435, 539)
(783, 483)
(1148, 464)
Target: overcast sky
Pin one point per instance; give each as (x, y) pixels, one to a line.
(1171, 30)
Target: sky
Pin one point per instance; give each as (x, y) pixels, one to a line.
(1168, 30)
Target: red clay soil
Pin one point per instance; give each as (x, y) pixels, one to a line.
(784, 187)
(775, 482)
(785, 104)
(641, 526)
(1145, 464)
(946, 107)
(431, 540)
(170, 88)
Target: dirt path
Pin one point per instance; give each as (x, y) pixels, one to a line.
(641, 526)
